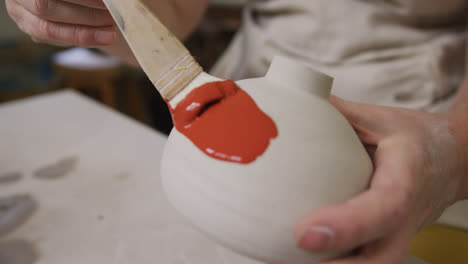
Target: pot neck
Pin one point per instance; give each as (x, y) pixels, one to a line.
(296, 75)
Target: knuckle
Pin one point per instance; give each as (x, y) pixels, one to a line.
(398, 214)
(44, 31)
(401, 196)
(399, 208)
(82, 36)
(77, 35)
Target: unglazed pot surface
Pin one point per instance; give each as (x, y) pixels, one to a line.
(316, 160)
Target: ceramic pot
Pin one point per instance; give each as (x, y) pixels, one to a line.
(316, 160)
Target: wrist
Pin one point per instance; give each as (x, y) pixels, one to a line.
(459, 129)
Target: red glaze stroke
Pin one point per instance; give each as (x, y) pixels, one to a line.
(223, 121)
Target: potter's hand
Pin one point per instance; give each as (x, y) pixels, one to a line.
(64, 22)
(420, 169)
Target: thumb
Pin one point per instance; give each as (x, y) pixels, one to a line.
(371, 122)
(365, 218)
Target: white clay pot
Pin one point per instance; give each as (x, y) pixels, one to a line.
(316, 160)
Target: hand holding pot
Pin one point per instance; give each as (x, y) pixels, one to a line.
(420, 170)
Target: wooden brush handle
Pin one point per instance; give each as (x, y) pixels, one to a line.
(162, 56)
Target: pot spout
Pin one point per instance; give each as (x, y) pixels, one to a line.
(296, 75)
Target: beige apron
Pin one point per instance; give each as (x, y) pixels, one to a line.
(396, 53)
(405, 53)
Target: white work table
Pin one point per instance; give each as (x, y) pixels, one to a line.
(111, 208)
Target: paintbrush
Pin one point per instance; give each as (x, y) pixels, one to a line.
(165, 60)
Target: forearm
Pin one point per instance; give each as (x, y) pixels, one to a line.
(180, 16)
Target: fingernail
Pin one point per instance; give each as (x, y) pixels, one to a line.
(105, 37)
(317, 238)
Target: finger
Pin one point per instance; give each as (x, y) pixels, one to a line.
(355, 112)
(365, 218)
(371, 122)
(63, 12)
(58, 43)
(89, 3)
(45, 31)
(391, 250)
(12, 10)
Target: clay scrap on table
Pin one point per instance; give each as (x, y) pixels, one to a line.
(14, 211)
(57, 170)
(10, 177)
(17, 252)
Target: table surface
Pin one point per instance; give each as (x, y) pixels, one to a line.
(110, 208)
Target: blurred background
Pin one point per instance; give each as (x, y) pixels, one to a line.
(28, 68)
